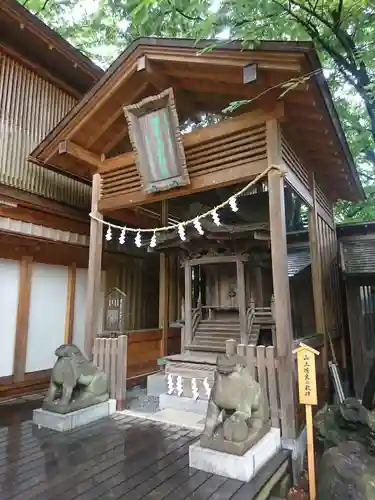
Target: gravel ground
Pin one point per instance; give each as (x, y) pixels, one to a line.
(137, 400)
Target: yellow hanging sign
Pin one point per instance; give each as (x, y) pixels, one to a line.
(306, 374)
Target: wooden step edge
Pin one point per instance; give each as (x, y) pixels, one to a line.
(260, 487)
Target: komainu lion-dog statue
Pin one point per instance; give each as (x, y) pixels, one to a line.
(237, 417)
(77, 382)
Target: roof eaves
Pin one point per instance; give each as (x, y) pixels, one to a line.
(35, 154)
(24, 16)
(147, 41)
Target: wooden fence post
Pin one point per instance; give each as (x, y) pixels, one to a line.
(122, 361)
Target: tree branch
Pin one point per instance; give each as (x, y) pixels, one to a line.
(344, 39)
(43, 7)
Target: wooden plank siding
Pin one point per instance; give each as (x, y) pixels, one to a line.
(223, 151)
(325, 275)
(139, 280)
(144, 347)
(30, 107)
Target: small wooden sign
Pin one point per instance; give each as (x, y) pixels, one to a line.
(114, 312)
(308, 396)
(307, 374)
(154, 131)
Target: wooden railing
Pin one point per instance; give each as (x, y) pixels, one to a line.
(110, 355)
(262, 364)
(249, 320)
(197, 316)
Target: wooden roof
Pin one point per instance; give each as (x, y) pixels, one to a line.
(206, 82)
(28, 38)
(358, 255)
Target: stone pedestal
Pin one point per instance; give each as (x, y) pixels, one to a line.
(68, 421)
(242, 467)
(156, 384)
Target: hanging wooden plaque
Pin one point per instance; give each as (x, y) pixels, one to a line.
(114, 312)
(155, 135)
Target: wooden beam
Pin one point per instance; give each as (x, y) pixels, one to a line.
(130, 97)
(70, 304)
(43, 218)
(317, 278)
(94, 270)
(203, 182)
(79, 153)
(229, 62)
(155, 76)
(241, 295)
(188, 328)
(132, 218)
(37, 202)
(22, 324)
(282, 307)
(164, 288)
(216, 259)
(297, 185)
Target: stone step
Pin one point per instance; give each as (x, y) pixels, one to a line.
(205, 348)
(218, 328)
(212, 324)
(215, 340)
(220, 331)
(210, 341)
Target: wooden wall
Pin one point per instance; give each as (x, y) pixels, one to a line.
(325, 276)
(30, 107)
(144, 348)
(302, 303)
(43, 304)
(324, 258)
(360, 299)
(139, 279)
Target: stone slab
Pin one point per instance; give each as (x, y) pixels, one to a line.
(242, 468)
(183, 404)
(156, 384)
(68, 421)
(184, 419)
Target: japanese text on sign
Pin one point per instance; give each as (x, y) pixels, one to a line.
(307, 377)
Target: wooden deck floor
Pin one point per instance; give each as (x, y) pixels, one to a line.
(115, 458)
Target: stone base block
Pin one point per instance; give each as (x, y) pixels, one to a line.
(156, 384)
(184, 404)
(68, 421)
(242, 467)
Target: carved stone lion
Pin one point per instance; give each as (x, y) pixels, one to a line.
(77, 382)
(236, 415)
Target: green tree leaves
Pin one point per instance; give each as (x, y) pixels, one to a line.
(342, 30)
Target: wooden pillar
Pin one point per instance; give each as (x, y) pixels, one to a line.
(164, 288)
(241, 297)
(259, 286)
(356, 331)
(94, 270)
(188, 332)
(22, 324)
(70, 302)
(317, 280)
(284, 331)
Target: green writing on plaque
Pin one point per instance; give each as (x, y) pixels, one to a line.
(159, 145)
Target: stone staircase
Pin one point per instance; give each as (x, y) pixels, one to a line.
(259, 319)
(210, 335)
